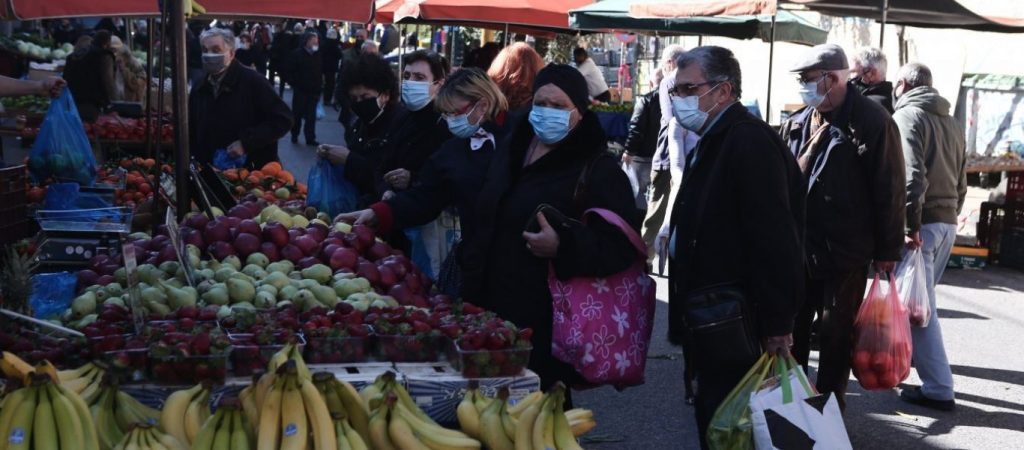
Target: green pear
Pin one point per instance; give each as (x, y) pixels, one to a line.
(242, 306)
(253, 270)
(308, 284)
(280, 266)
(224, 312)
(240, 290)
(178, 297)
(287, 293)
(295, 275)
(267, 288)
(101, 295)
(159, 309)
(267, 212)
(169, 267)
(173, 282)
(149, 274)
(115, 301)
(319, 272)
(303, 297)
(277, 280)
(222, 274)
(85, 321)
(264, 300)
(233, 261)
(153, 295)
(84, 304)
(216, 295)
(121, 276)
(258, 259)
(325, 295)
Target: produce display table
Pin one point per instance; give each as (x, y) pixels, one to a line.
(615, 125)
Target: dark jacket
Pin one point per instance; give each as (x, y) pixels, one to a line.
(416, 136)
(750, 228)
(246, 109)
(644, 126)
(246, 56)
(935, 154)
(856, 208)
(366, 143)
(282, 44)
(305, 71)
(330, 51)
(880, 93)
(500, 273)
(90, 77)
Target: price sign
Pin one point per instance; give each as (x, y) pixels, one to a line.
(132, 274)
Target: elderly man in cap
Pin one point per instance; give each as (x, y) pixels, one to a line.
(848, 148)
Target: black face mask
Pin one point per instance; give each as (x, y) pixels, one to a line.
(367, 110)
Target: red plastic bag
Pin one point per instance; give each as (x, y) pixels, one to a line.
(882, 346)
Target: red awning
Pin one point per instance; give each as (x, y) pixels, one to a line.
(553, 14)
(337, 10)
(700, 8)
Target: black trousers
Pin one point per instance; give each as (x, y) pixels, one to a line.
(329, 80)
(713, 385)
(835, 300)
(304, 111)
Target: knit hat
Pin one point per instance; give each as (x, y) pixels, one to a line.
(569, 80)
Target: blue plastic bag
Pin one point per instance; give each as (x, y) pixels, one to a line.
(329, 190)
(420, 256)
(62, 150)
(320, 114)
(223, 161)
(65, 196)
(52, 294)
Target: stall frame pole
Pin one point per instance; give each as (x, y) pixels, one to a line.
(771, 67)
(180, 101)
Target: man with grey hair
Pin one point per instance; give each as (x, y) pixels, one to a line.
(234, 108)
(736, 232)
(934, 150)
(849, 151)
(869, 68)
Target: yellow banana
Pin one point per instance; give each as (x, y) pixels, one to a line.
(15, 368)
(435, 436)
(339, 431)
(300, 365)
(492, 432)
(524, 430)
(90, 438)
(323, 383)
(167, 441)
(172, 417)
(106, 423)
(368, 393)
(79, 384)
(239, 433)
(44, 432)
(12, 404)
(520, 406)
(482, 401)
(69, 426)
(402, 436)
(582, 426)
(508, 423)
(379, 439)
(543, 416)
(204, 440)
(405, 399)
(357, 410)
(48, 369)
(222, 438)
(564, 439)
(194, 416)
(324, 437)
(355, 441)
(294, 426)
(269, 430)
(279, 358)
(79, 372)
(91, 393)
(263, 387)
(197, 8)
(18, 435)
(248, 399)
(469, 417)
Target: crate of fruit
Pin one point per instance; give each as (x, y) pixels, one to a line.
(419, 347)
(181, 358)
(338, 344)
(251, 353)
(487, 363)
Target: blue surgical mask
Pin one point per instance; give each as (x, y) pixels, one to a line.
(415, 94)
(809, 93)
(551, 125)
(460, 126)
(687, 111)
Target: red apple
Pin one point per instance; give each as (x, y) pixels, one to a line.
(307, 261)
(387, 277)
(249, 226)
(217, 231)
(276, 233)
(220, 250)
(328, 249)
(308, 245)
(343, 258)
(270, 250)
(378, 251)
(246, 244)
(369, 271)
(364, 234)
(241, 212)
(318, 232)
(197, 220)
(291, 253)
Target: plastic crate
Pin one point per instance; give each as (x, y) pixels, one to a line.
(1015, 187)
(1012, 248)
(993, 219)
(12, 179)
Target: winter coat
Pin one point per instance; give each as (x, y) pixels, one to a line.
(880, 93)
(366, 143)
(750, 230)
(644, 126)
(935, 155)
(330, 51)
(416, 136)
(246, 109)
(305, 71)
(856, 208)
(500, 273)
(90, 77)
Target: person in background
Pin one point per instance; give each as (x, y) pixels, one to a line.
(281, 49)
(64, 31)
(541, 161)
(90, 77)
(330, 52)
(307, 79)
(234, 108)
(244, 54)
(193, 53)
(848, 148)
(370, 47)
(130, 76)
(261, 47)
(372, 89)
(737, 219)
(82, 46)
(642, 142)
(514, 70)
(869, 66)
(475, 111)
(935, 153)
(596, 86)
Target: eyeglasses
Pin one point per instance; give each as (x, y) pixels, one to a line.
(686, 89)
(464, 110)
(803, 79)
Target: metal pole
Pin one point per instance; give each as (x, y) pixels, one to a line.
(128, 34)
(771, 63)
(180, 101)
(504, 38)
(885, 19)
(149, 89)
(159, 101)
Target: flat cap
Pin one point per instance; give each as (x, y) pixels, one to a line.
(822, 57)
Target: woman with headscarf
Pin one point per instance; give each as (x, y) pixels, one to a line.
(557, 157)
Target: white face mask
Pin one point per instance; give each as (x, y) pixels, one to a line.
(809, 93)
(687, 111)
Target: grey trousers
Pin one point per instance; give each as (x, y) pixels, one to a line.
(660, 197)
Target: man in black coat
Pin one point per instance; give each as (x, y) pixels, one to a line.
(234, 107)
(849, 150)
(306, 76)
(737, 220)
(642, 142)
(330, 50)
(90, 77)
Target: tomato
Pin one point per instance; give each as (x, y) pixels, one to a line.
(862, 360)
(887, 380)
(868, 380)
(882, 362)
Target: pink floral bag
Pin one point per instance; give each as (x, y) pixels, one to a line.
(602, 326)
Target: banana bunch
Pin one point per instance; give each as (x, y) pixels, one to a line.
(396, 423)
(350, 414)
(116, 413)
(545, 425)
(290, 352)
(15, 368)
(185, 411)
(45, 415)
(84, 381)
(147, 437)
(502, 427)
(292, 410)
(227, 429)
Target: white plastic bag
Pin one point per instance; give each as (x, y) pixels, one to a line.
(787, 413)
(912, 284)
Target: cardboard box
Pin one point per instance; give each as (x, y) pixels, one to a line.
(438, 388)
(968, 258)
(359, 374)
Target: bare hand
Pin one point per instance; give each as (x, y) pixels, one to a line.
(885, 266)
(543, 244)
(336, 154)
(236, 149)
(626, 158)
(398, 179)
(366, 216)
(914, 240)
(51, 86)
(388, 195)
(778, 345)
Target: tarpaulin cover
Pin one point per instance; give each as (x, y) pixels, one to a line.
(338, 10)
(917, 13)
(700, 8)
(551, 14)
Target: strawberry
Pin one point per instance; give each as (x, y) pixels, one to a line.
(421, 327)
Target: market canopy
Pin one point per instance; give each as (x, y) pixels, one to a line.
(700, 8)
(338, 10)
(615, 15)
(916, 13)
(544, 14)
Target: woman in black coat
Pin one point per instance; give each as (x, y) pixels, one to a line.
(558, 158)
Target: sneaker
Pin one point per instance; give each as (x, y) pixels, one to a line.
(915, 397)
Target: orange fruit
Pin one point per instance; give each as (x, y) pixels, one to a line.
(272, 169)
(149, 163)
(286, 177)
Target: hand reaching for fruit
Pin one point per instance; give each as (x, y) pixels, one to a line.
(336, 154)
(51, 86)
(398, 179)
(543, 244)
(364, 217)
